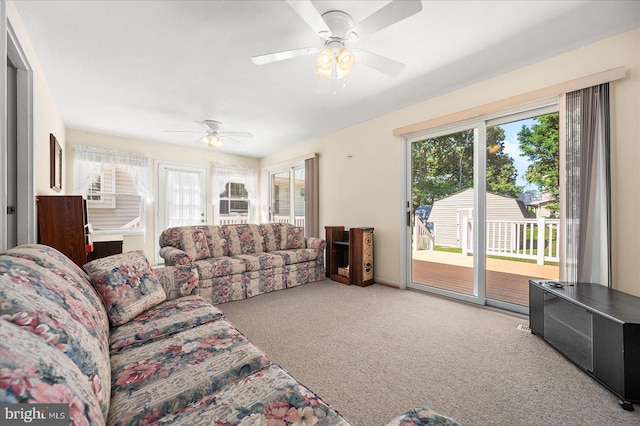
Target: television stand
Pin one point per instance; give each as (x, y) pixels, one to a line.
(595, 327)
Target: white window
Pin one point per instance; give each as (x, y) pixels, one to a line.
(104, 183)
(234, 200)
(116, 186)
(234, 193)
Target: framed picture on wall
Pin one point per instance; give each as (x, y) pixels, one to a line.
(55, 163)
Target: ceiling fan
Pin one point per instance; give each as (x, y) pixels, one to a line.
(213, 135)
(336, 29)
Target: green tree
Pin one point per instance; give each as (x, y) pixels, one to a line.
(444, 165)
(540, 145)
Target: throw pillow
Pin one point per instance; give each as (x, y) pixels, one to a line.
(292, 237)
(127, 284)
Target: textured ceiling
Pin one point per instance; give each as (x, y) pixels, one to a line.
(138, 68)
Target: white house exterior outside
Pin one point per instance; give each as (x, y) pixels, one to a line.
(449, 214)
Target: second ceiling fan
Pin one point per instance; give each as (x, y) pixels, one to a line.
(336, 29)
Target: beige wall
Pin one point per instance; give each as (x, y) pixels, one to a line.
(46, 116)
(157, 152)
(361, 166)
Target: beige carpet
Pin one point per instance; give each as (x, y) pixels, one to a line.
(374, 352)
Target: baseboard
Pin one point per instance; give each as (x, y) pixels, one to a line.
(386, 283)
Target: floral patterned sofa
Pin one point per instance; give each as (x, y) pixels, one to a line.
(111, 344)
(235, 262)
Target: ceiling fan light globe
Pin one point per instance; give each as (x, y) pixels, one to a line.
(325, 59)
(346, 59)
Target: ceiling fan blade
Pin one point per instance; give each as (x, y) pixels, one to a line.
(379, 63)
(184, 131)
(310, 15)
(393, 12)
(234, 140)
(280, 56)
(236, 134)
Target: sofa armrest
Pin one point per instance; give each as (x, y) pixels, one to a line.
(316, 243)
(173, 256)
(178, 281)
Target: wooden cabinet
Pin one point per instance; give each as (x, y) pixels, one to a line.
(105, 245)
(61, 225)
(349, 255)
(595, 327)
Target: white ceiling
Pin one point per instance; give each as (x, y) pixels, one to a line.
(138, 68)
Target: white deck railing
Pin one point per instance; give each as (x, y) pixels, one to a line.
(423, 239)
(297, 221)
(524, 239)
(231, 220)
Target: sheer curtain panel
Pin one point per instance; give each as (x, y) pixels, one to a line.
(183, 198)
(588, 207)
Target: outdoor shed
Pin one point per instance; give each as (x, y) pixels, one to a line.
(449, 214)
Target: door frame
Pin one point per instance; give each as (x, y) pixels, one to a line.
(546, 105)
(479, 184)
(25, 203)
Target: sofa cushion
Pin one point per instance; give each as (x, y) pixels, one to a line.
(297, 256)
(163, 320)
(219, 267)
(243, 239)
(156, 379)
(270, 396)
(260, 261)
(272, 234)
(292, 237)
(65, 313)
(127, 284)
(34, 372)
(217, 242)
(193, 240)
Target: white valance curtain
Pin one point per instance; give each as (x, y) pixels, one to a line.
(588, 208)
(248, 177)
(88, 162)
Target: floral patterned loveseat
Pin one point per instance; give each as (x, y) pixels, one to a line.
(110, 344)
(235, 262)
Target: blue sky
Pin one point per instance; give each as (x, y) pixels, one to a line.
(511, 147)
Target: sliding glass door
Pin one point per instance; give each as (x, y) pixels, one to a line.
(482, 209)
(442, 206)
(522, 206)
(286, 193)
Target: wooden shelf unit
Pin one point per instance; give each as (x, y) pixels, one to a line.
(61, 225)
(352, 249)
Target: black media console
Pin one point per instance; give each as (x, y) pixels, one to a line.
(595, 327)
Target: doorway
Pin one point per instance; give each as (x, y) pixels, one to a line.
(482, 209)
(182, 196)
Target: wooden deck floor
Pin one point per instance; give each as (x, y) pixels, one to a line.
(503, 286)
